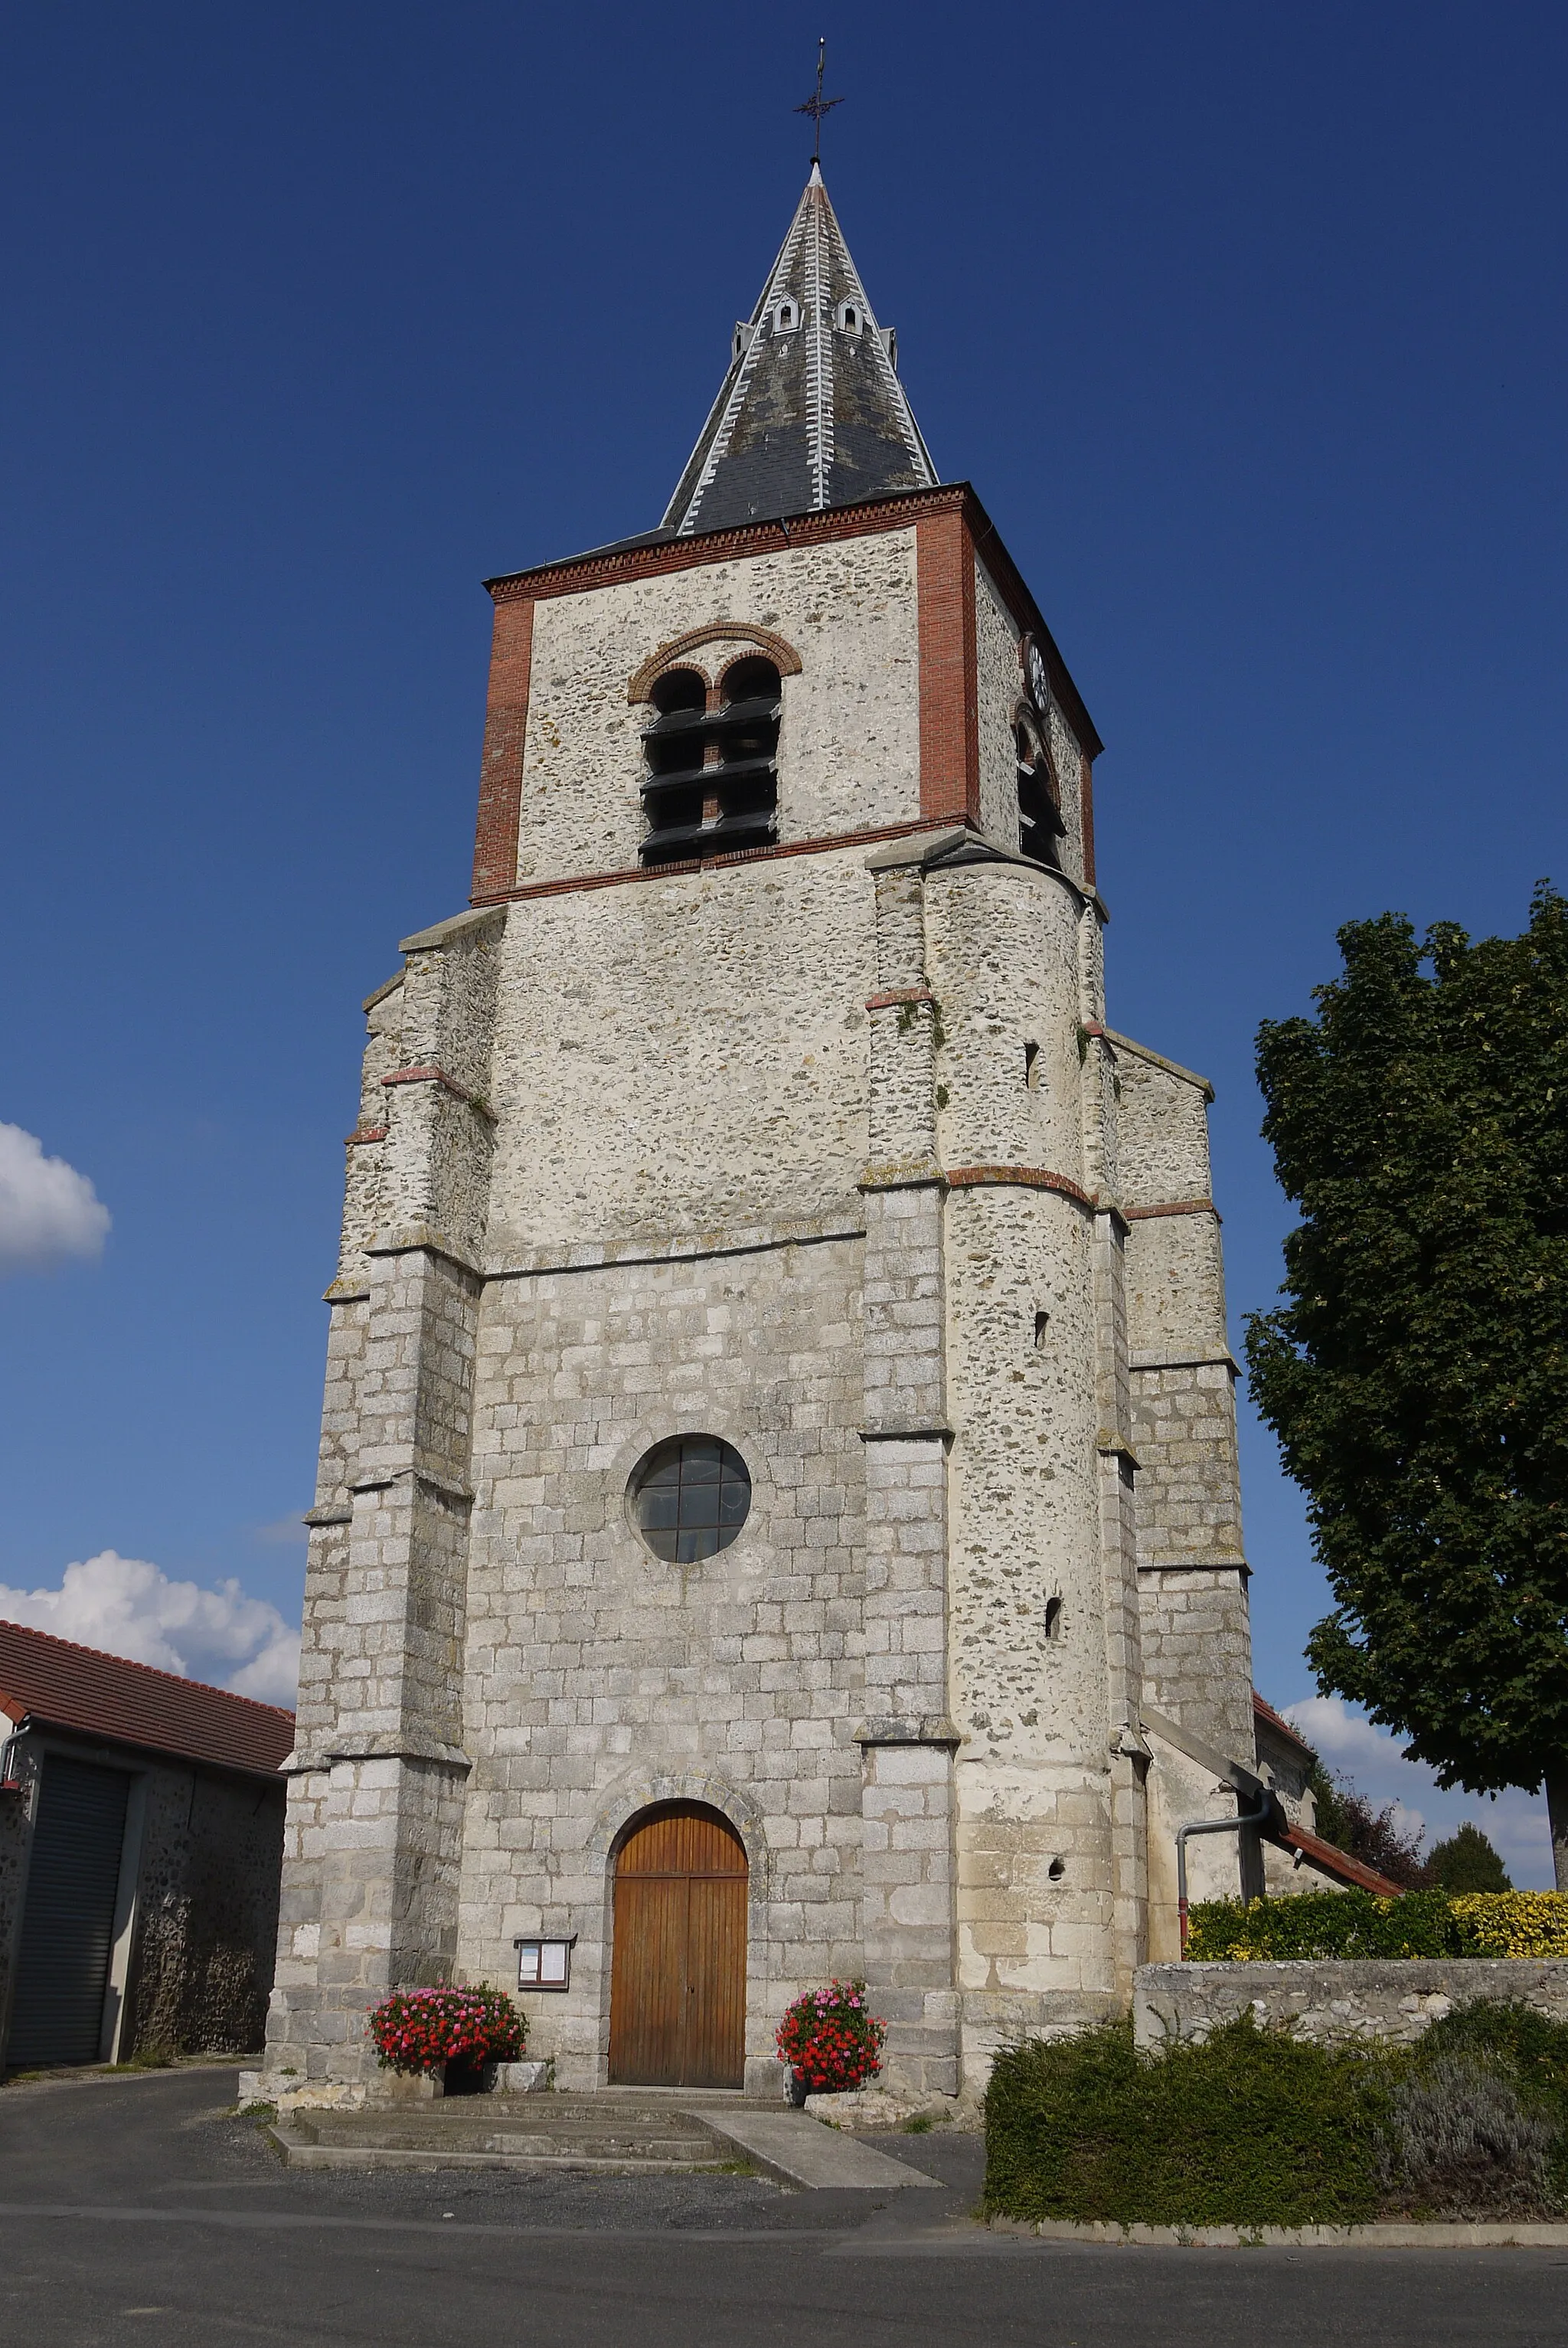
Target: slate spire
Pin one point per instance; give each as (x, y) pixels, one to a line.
(812, 413)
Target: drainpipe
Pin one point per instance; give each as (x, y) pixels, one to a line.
(9, 1785)
(1252, 1817)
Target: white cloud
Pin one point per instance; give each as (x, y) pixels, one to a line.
(1350, 1744)
(284, 1532)
(48, 1210)
(129, 1608)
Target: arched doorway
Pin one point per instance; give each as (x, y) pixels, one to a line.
(678, 1975)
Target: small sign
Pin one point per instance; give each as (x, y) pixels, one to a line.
(544, 1964)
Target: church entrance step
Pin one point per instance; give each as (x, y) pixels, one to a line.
(611, 2134)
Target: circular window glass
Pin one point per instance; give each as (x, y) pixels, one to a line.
(690, 1498)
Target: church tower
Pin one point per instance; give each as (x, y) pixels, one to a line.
(778, 1512)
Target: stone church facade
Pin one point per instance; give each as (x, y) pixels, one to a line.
(778, 1374)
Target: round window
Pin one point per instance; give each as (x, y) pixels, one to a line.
(690, 1498)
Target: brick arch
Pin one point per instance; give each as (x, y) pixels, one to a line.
(677, 652)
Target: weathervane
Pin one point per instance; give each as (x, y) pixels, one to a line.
(816, 105)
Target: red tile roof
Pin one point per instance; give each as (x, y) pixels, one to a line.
(1276, 1721)
(62, 1685)
(1332, 1860)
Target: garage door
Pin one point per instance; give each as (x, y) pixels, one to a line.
(67, 1924)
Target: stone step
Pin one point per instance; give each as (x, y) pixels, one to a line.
(505, 2132)
(611, 2134)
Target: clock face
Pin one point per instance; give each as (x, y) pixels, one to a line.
(1039, 680)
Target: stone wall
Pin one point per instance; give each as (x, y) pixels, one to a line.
(999, 685)
(1192, 1568)
(682, 1055)
(1384, 2001)
(849, 743)
(15, 1841)
(595, 1669)
(207, 1912)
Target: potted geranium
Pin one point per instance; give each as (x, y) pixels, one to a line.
(830, 2041)
(459, 2033)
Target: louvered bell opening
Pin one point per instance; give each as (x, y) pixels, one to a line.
(711, 779)
(1039, 823)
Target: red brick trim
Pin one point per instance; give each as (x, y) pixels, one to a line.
(892, 994)
(1086, 813)
(501, 766)
(580, 573)
(784, 657)
(365, 1133)
(821, 846)
(949, 714)
(1018, 1177)
(1173, 1207)
(433, 1075)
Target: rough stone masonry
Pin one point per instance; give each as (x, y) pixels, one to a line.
(821, 1147)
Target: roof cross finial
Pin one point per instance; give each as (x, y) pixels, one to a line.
(816, 105)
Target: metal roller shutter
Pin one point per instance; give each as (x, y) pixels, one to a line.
(68, 1926)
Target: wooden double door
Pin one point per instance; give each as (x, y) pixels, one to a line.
(678, 1975)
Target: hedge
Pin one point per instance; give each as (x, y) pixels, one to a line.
(1257, 2127)
(1357, 1924)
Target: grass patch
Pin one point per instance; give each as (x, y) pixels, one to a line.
(919, 2123)
(1257, 2127)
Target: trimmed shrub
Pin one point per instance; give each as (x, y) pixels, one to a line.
(1257, 2127)
(1253, 2127)
(1330, 1924)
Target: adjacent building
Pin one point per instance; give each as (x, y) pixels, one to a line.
(141, 1824)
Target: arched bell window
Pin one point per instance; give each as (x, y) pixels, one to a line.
(1040, 824)
(711, 785)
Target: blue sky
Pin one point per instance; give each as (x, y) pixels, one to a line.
(1248, 326)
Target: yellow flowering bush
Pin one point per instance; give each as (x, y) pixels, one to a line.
(1514, 1924)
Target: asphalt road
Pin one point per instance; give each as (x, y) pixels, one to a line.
(131, 2209)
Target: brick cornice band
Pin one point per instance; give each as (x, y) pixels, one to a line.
(892, 995)
(1019, 1178)
(579, 572)
(676, 870)
(358, 1139)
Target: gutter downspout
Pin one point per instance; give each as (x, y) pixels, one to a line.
(1252, 1817)
(9, 1785)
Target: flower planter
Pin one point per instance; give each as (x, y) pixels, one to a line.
(829, 2040)
(450, 2039)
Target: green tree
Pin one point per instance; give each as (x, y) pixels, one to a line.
(1346, 1819)
(1417, 1373)
(1467, 1861)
